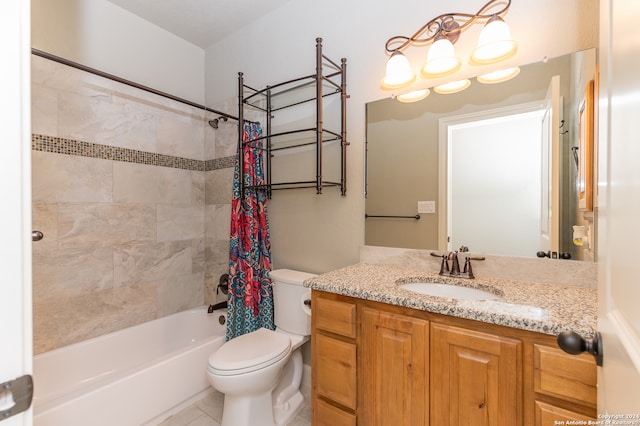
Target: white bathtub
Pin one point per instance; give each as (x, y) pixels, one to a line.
(130, 377)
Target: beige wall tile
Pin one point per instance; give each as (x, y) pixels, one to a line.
(44, 218)
(81, 318)
(180, 222)
(197, 188)
(226, 139)
(64, 273)
(97, 119)
(69, 178)
(124, 242)
(151, 262)
(180, 293)
(197, 255)
(181, 136)
(101, 225)
(218, 186)
(44, 110)
(217, 222)
(140, 183)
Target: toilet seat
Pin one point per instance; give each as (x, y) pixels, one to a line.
(249, 352)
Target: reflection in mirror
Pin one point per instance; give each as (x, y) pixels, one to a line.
(407, 165)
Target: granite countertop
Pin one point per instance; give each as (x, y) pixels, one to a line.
(543, 308)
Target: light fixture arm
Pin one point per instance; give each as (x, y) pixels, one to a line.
(449, 25)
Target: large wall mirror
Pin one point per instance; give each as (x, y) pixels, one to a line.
(465, 162)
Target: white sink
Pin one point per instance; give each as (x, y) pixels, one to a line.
(449, 291)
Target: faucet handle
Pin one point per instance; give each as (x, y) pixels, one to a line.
(467, 267)
(444, 266)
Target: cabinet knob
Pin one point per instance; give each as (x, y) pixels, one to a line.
(572, 343)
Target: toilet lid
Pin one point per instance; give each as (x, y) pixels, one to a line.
(249, 352)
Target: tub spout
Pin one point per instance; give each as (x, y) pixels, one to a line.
(220, 305)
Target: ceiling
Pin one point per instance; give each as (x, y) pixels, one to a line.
(201, 22)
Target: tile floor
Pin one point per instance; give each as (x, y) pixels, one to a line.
(208, 412)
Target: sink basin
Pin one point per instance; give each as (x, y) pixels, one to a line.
(449, 291)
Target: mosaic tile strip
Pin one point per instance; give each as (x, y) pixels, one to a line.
(107, 152)
(220, 163)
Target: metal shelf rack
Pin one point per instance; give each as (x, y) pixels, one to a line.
(310, 88)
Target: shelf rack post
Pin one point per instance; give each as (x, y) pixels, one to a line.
(319, 115)
(241, 131)
(343, 109)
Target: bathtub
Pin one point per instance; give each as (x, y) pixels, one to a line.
(135, 376)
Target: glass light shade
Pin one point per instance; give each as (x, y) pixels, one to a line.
(499, 76)
(494, 43)
(399, 72)
(415, 96)
(453, 87)
(441, 59)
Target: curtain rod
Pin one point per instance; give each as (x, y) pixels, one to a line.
(123, 81)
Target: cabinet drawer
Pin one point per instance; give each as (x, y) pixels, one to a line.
(336, 317)
(328, 415)
(335, 372)
(565, 376)
(547, 415)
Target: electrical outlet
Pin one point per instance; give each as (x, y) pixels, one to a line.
(426, 206)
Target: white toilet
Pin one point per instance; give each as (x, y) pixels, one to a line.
(260, 372)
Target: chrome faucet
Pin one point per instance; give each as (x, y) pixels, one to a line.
(454, 271)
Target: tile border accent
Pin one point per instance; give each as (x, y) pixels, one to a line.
(106, 152)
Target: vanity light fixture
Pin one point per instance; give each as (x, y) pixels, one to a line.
(498, 76)
(415, 96)
(399, 72)
(452, 87)
(494, 45)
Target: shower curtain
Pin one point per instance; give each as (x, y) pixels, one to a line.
(250, 300)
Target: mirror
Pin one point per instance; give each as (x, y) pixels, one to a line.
(406, 171)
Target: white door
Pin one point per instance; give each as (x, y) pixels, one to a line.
(550, 212)
(15, 193)
(619, 203)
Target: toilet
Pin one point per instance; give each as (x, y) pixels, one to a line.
(260, 372)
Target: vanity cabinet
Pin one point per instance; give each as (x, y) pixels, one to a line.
(395, 369)
(334, 361)
(476, 377)
(376, 364)
(565, 386)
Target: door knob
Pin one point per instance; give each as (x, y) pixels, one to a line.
(572, 343)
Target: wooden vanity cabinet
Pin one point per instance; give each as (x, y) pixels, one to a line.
(395, 369)
(476, 377)
(375, 364)
(564, 387)
(333, 360)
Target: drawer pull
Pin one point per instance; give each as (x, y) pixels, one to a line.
(572, 343)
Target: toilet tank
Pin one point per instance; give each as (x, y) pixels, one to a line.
(289, 295)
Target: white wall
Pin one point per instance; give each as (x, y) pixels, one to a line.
(319, 233)
(101, 35)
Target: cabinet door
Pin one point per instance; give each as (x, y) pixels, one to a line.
(476, 378)
(395, 369)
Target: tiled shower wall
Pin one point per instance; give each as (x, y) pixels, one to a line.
(132, 192)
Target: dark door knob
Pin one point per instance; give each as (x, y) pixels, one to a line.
(572, 343)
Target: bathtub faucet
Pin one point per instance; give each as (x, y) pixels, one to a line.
(220, 305)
